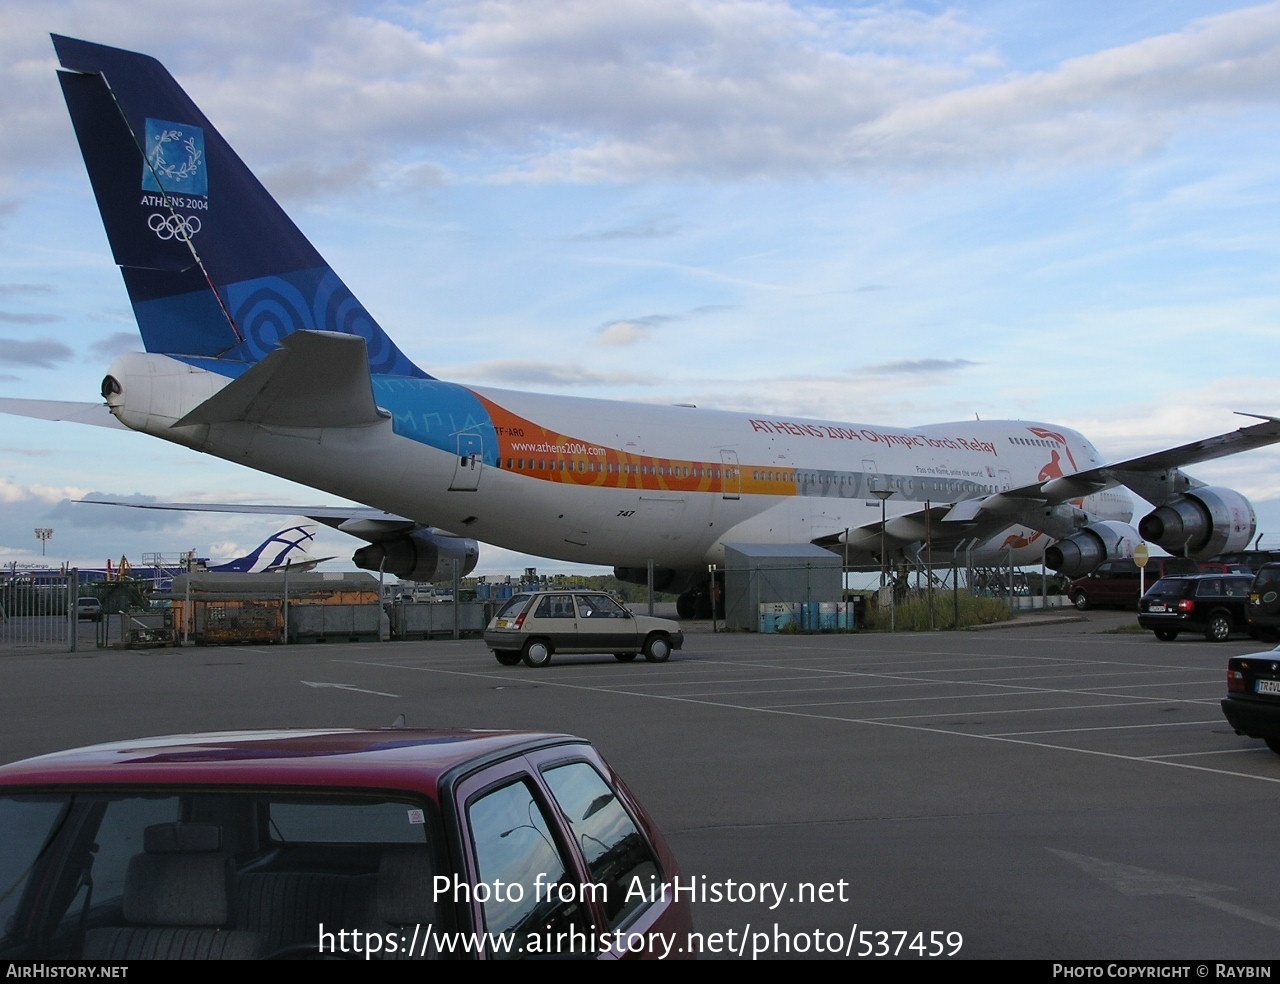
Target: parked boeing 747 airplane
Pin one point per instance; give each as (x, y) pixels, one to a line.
(256, 352)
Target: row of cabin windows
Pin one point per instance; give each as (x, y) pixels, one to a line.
(612, 468)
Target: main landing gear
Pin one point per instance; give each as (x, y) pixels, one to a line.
(696, 602)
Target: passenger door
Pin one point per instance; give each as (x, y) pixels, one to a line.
(554, 617)
(604, 626)
(576, 855)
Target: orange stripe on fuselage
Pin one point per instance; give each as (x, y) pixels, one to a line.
(535, 451)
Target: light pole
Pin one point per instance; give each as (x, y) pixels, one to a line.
(883, 496)
(44, 534)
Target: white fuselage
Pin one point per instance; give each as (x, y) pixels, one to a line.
(614, 483)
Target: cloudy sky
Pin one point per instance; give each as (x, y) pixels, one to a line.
(891, 213)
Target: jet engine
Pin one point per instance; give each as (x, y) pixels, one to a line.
(422, 555)
(1201, 523)
(1078, 554)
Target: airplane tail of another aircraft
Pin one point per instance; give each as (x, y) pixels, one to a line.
(285, 548)
(217, 272)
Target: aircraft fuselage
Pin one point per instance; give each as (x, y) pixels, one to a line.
(606, 482)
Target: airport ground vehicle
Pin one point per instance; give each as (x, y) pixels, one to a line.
(1252, 704)
(89, 609)
(396, 843)
(535, 624)
(1213, 604)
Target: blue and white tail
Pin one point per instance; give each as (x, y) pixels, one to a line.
(285, 548)
(216, 271)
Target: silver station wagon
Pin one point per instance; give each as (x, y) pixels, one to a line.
(535, 624)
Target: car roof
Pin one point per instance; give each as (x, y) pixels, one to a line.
(1204, 575)
(402, 759)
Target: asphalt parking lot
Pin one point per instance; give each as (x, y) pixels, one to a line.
(1054, 790)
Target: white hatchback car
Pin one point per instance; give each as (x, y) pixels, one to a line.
(535, 624)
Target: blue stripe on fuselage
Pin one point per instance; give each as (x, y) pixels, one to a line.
(428, 411)
(434, 413)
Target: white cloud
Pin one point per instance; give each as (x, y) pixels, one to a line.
(572, 90)
(13, 492)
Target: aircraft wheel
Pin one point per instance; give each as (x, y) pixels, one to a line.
(537, 652)
(657, 649)
(685, 605)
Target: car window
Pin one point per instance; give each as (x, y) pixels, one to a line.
(1210, 587)
(514, 606)
(1237, 588)
(1168, 587)
(1267, 577)
(68, 856)
(525, 888)
(555, 606)
(599, 606)
(617, 854)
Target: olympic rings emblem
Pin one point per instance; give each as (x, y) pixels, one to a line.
(179, 227)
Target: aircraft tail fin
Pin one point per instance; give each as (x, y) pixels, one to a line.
(217, 272)
(286, 547)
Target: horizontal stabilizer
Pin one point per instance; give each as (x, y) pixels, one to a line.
(315, 379)
(68, 410)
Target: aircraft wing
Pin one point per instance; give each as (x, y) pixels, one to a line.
(1153, 476)
(402, 547)
(96, 414)
(1047, 506)
(360, 521)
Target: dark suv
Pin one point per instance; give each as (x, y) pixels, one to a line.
(1264, 603)
(1214, 604)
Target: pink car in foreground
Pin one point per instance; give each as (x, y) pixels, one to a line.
(387, 844)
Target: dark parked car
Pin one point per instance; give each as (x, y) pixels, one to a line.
(1212, 604)
(1252, 704)
(1264, 603)
(535, 624)
(1118, 583)
(355, 844)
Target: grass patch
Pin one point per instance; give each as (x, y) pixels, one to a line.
(912, 613)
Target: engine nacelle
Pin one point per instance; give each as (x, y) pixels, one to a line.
(1201, 523)
(1078, 554)
(423, 555)
(663, 577)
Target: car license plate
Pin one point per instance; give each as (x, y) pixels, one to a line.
(1267, 687)
(1157, 607)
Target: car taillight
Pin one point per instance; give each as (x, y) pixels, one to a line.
(1235, 682)
(520, 620)
(1186, 605)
